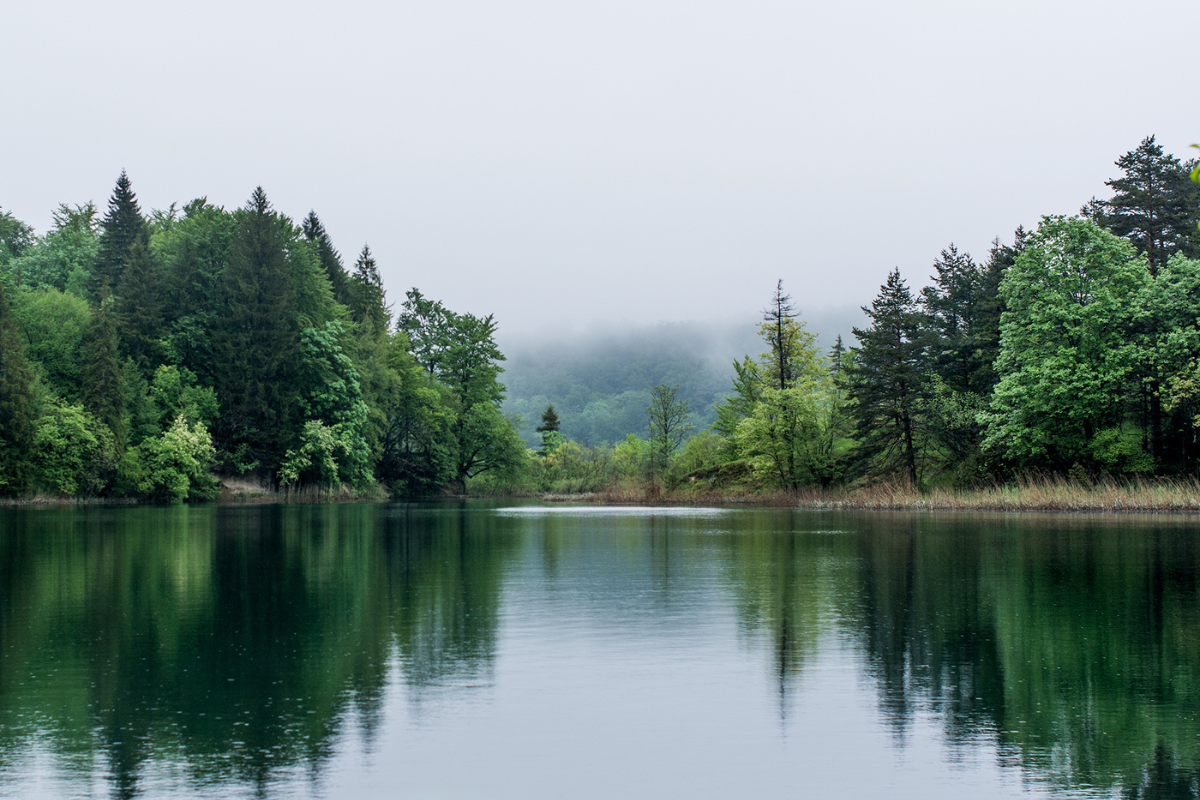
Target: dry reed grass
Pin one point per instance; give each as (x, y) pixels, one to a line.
(1034, 493)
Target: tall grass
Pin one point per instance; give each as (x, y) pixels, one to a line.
(1033, 493)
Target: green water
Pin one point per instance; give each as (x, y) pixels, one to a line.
(477, 651)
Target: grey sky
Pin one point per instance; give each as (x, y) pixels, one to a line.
(562, 163)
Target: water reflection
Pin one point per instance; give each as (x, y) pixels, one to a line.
(246, 646)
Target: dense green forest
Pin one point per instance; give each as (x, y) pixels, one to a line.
(146, 354)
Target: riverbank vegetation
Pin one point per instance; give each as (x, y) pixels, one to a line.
(160, 356)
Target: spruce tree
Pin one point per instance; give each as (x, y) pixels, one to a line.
(548, 429)
(121, 226)
(139, 309)
(953, 304)
(367, 297)
(1154, 205)
(16, 405)
(331, 259)
(257, 342)
(103, 376)
(887, 381)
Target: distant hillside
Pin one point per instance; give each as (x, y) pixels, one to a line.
(600, 380)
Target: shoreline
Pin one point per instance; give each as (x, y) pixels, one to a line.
(1039, 495)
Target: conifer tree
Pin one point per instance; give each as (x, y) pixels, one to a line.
(16, 405)
(367, 297)
(953, 305)
(121, 226)
(1154, 205)
(257, 342)
(138, 309)
(103, 378)
(887, 379)
(548, 429)
(779, 330)
(331, 259)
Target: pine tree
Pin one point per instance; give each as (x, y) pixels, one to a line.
(1154, 205)
(120, 227)
(138, 309)
(367, 298)
(16, 405)
(778, 329)
(887, 379)
(953, 304)
(548, 429)
(331, 259)
(550, 422)
(256, 346)
(103, 378)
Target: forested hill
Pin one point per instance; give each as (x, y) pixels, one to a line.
(599, 380)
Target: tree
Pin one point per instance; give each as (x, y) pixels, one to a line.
(103, 378)
(257, 343)
(670, 425)
(367, 299)
(121, 226)
(1067, 352)
(330, 259)
(887, 381)
(65, 257)
(953, 304)
(15, 237)
(1153, 205)
(16, 405)
(549, 429)
(138, 309)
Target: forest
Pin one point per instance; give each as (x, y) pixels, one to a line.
(156, 355)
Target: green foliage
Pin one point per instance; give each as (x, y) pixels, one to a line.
(887, 382)
(103, 380)
(65, 257)
(1154, 205)
(367, 299)
(55, 325)
(122, 225)
(15, 237)
(315, 460)
(176, 465)
(1067, 352)
(75, 453)
(670, 425)
(138, 308)
(257, 340)
(417, 455)
(16, 405)
(333, 396)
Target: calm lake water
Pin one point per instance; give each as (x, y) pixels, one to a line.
(482, 651)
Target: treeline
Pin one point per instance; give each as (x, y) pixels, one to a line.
(1072, 350)
(144, 355)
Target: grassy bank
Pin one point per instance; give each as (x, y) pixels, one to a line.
(1030, 494)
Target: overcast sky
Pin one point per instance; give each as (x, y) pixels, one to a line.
(567, 163)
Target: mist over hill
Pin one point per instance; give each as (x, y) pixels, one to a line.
(599, 379)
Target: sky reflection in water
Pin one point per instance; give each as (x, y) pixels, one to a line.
(460, 650)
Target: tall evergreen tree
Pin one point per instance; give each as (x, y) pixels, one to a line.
(121, 226)
(257, 343)
(887, 382)
(368, 301)
(16, 405)
(779, 329)
(953, 304)
(103, 378)
(1154, 205)
(138, 309)
(331, 259)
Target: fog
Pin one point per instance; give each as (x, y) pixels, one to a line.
(564, 164)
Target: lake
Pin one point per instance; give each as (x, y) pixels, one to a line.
(505, 650)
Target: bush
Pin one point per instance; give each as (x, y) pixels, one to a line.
(175, 466)
(74, 453)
